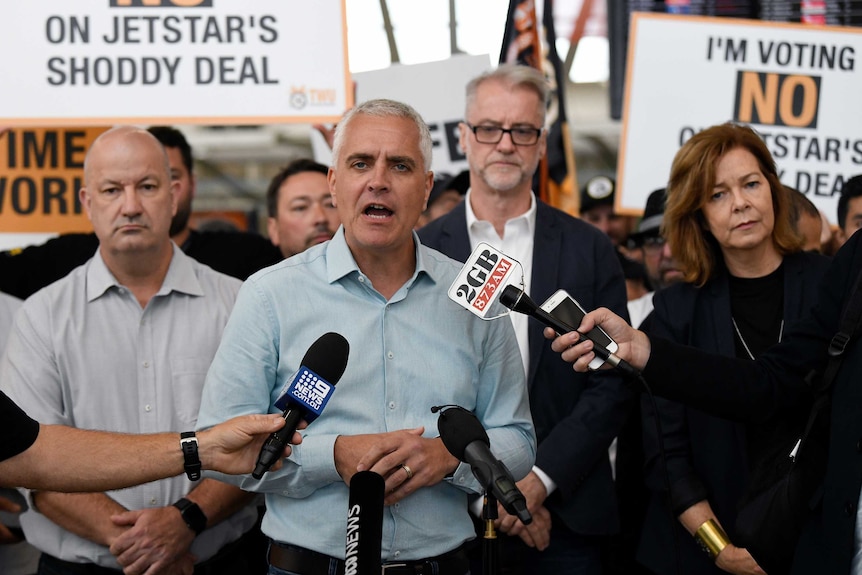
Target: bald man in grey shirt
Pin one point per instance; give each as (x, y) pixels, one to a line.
(123, 343)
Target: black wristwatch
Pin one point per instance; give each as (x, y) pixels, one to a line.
(192, 464)
(192, 515)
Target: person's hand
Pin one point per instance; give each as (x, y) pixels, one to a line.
(538, 533)
(634, 345)
(233, 446)
(6, 536)
(405, 459)
(156, 541)
(737, 560)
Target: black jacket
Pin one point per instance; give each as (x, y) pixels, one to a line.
(707, 456)
(773, 386)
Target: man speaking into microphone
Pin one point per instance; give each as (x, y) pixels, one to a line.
(411, 348)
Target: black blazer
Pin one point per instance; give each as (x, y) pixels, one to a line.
(774, 385)
(576, 416)
(707, 456)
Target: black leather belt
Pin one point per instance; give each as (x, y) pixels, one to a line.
(307, 562)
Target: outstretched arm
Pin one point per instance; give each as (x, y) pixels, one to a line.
(68, 459)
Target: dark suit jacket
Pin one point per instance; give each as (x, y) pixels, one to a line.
(576, 416)
(707, 456)
(773, 386)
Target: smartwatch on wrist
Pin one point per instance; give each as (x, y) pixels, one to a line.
(192, 515)
(192, 464)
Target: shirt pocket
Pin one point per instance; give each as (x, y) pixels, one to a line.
(187, 382)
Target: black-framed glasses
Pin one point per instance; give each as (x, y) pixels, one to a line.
(521, 135)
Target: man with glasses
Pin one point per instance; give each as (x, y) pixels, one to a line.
(570, 490)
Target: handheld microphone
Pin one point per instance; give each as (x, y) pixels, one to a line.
(307, 395)
(517, 300)
(364, 524)
(466, 439)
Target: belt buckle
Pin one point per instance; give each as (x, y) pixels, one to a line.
(386, 566)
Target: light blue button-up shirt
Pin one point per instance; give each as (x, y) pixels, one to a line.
(417, 350)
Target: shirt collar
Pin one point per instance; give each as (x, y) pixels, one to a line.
(181, 276)
(340, 262)
(529, 217)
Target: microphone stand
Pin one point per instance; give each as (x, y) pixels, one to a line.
(490, 543)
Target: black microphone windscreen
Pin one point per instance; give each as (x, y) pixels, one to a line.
(364, 524)
(459, 428)
(516, 299)
(327, 356)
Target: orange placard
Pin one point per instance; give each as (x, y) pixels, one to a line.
(41, 172)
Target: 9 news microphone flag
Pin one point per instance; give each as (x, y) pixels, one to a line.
(527, 43)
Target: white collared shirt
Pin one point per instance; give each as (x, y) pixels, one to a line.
(517, 243)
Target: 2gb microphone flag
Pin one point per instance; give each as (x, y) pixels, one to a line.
(481, 279)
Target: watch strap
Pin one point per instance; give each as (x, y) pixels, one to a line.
(192, 515)
(192, 462)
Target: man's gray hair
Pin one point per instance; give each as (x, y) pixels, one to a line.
(383, 108)
(512, 75)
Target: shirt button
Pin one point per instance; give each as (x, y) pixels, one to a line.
(362, 279)
(391, 405)
(146, 364)
(153, 501)
(148, 408)
(390, 355)
(849, 508)
(397, 554)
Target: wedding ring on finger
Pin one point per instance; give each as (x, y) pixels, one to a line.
(407, 470)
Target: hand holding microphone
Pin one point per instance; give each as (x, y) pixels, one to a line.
(633, 344)
(484, 278)
(517, 300)
(321, 368)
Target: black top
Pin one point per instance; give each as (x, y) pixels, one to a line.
(19, 430)
(24, 272)
(757, 308)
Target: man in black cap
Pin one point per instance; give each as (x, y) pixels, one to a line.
(657, 257)
(597, 208)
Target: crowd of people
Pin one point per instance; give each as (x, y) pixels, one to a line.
(147, 328)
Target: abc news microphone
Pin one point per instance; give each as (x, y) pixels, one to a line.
(363, 549)
(307, 395)
(467, 440)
